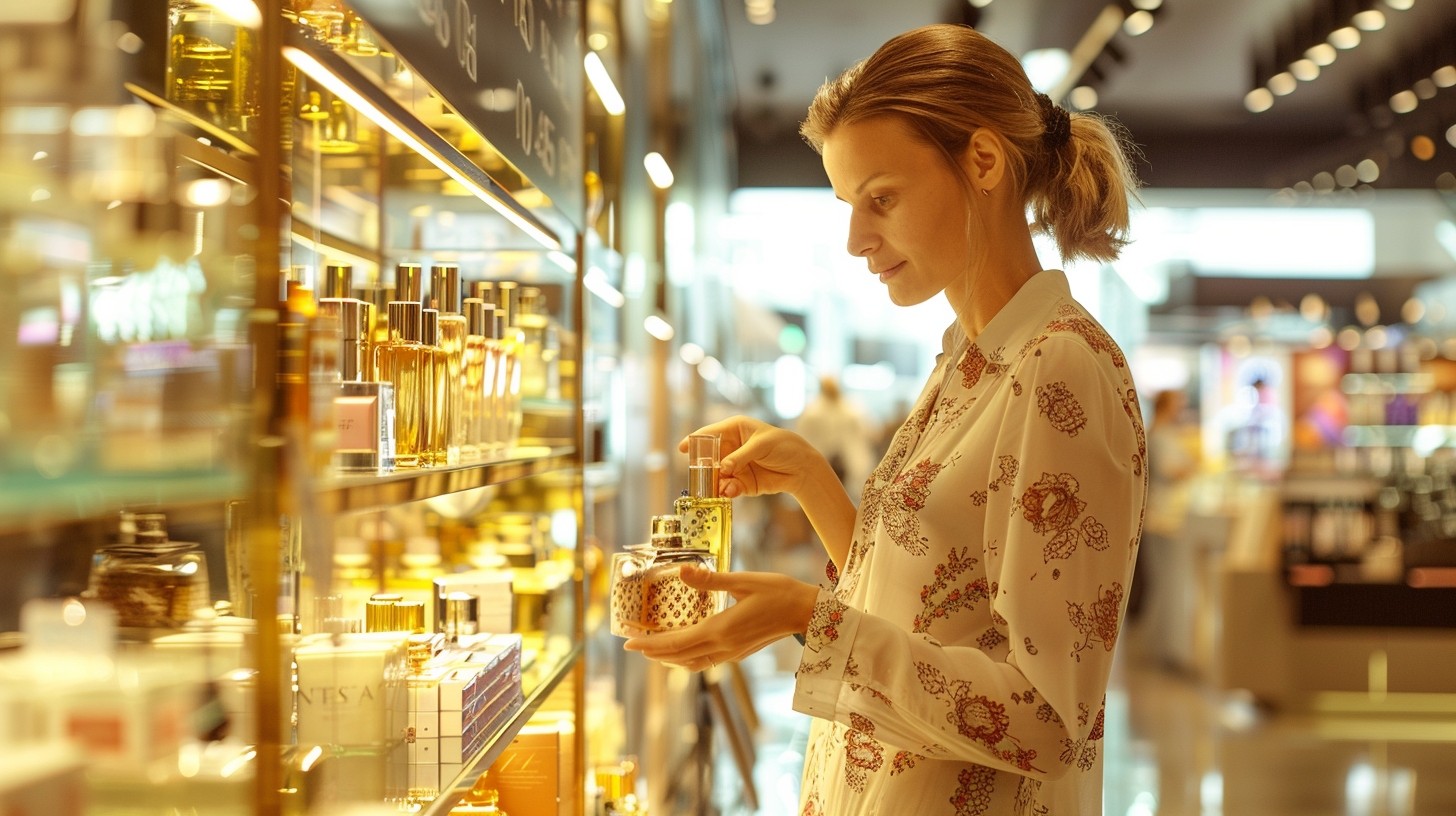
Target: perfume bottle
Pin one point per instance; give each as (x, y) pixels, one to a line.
(210, 65)
(531, 319)
(436, 427)
(474, 396)
(510, 341)
(707, 517)
(151, 581)
(445, 289)
(401, 363)
(648, 593)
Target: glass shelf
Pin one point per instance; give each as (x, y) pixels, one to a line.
(1400, 436)
(27, 500)
(348, 494)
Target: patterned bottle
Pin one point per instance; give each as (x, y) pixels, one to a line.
(648, 594)
(707, 517)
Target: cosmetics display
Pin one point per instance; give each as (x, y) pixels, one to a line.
(402, 362)
(150, 580)
(452, 330)
(648, 594)
(436, 421)
(707, 518)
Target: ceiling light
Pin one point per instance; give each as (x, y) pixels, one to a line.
(1345, 38)
(1322, 54)
(657, 170)
(1369, 20)
(1400, 5)
(1258, 100)
(657, 327)
(1445, 76)
(1368, 171)
(1282, 83)
(1424, 88)
(1083, 97)
(1345, 176)
(1046, 67)
(1404, 102)
(1138, 23)
(601, 82)
(980, 3)
(1304, 70)
(1423, 148)
(1451, 135)
(1147, 5)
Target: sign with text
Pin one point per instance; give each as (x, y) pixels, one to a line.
(512, 68)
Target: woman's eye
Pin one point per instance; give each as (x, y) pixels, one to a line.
(881, 201)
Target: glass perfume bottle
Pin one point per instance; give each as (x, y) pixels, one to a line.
(210, 65)
(707, 517)
(445, 289)
(401, 363)
(531, 319)
(648, 593)
(474, 395)
(151, 581)
(436, 428)
(510, 341)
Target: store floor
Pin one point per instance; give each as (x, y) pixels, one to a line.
(1175, 747)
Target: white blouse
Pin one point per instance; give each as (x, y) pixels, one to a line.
(960, 664)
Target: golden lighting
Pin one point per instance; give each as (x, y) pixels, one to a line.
(1423, 148)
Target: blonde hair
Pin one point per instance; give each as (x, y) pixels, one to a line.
(947, 81)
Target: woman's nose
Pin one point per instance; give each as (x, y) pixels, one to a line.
(862, 241)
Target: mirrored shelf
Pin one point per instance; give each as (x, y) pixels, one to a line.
(347, 494)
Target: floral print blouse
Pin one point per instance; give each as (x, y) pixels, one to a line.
(959, 664)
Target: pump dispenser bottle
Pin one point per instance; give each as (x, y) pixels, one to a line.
(707, 517)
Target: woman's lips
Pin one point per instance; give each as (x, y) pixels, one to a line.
(891, 272)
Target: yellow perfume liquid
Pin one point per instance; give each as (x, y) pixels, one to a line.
(707, 518)
(445, 287)
(402, 362)
(209, 66)
(473, 379)
(437, 395)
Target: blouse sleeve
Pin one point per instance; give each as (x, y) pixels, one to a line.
(1062, 523)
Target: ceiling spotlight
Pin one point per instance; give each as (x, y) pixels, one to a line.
(980, 3)
(1425, 88)
(1282, 83)
(1368, 171)
(1322, 54)
(1258, 100)
(1083, 97)
(1147, 5)
(1400, 5)
(1345, 38)
(1138, 23)
(1369, 20)
(1445, 76)
(1304, 70)
(1404, 102)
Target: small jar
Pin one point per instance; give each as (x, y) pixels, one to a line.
(648, 593)
(151, 581)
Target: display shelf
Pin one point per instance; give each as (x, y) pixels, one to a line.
(29, 501)
(1400, 436)
(342, 77)
(192, 120)
(348, 494)
(536, 696)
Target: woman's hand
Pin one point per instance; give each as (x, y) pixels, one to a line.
(767, 606)
(758, 458)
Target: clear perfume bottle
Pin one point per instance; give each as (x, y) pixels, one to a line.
(473, 393)
(445, 289)
(151, 581)
(648, 593)
(707, 517)
(531, 319)
(210, 65)
(401, 363)
(436, 427)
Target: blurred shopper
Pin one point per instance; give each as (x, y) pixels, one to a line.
(959, 662)
(836, 428)
(1171, 464)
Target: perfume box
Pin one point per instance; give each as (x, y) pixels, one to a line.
(492, 590)
(43, 780)
(352, 692)
(529, 774)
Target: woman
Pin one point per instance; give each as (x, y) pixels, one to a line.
(959, 661)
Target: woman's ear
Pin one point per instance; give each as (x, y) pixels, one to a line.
(984, 160)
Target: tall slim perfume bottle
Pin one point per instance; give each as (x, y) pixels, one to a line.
(436, 427)
(474, 395)
(707, 517)
(445, 289)
(401, 363)
(531, 319)
(512, 343)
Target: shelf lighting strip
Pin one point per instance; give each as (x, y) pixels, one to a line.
(330, 70)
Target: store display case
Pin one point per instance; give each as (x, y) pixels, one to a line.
(319, 625)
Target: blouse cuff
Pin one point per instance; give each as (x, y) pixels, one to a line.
(827, 645)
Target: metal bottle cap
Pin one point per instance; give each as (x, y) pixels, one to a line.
(461, 613)
(668, 523)
(445, 288)
(338, 281)
(430, 327)
(497, 324)
(409, 616)
(476, 321)
(507, 300)
(409, 282)
(483, 289)
(405, 320)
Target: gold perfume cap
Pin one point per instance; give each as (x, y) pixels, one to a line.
(338, 281)
(409, 616)
(379, 615)
(507, 300)
(430, 327)
(461, 614)
(483, 289)
(476, 322)
(445, 288)
(666, 524)
(409, 282)
(405, 320)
